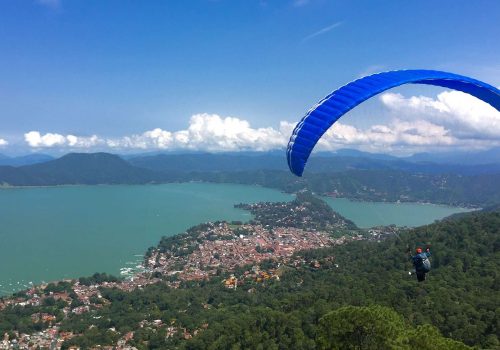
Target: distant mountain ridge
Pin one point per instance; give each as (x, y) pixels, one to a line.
(350, 177)
(466, 158)
(208, 162)
(77, 168)
(318, 163)
(465, 162)
(25, 160)
(474, 157)
(94, 167)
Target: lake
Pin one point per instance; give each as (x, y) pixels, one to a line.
(65, 232)
(368, 214)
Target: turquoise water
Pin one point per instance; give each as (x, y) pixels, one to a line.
(65, 232)
(368, 214)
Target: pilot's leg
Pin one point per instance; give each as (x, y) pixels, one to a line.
(421, 276)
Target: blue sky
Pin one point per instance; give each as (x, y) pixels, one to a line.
(137, 75)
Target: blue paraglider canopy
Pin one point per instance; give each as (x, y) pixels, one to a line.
(326, 112)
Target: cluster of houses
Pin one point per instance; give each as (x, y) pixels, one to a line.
(226, 249)
(219, 247)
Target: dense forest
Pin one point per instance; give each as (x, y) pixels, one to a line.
(360, 297)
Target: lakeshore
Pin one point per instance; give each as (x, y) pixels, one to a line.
(108, 228)
(281, 240)
(234, 252)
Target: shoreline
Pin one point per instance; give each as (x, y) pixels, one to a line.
(470, 207)
(222, 184)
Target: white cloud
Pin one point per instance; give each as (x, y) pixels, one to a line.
(211, 132)
(451, 121)
(3, 142)
(464, 115)
(83, 141)
(153, 139)
(397, 136)
(207, 132)
(36, 140)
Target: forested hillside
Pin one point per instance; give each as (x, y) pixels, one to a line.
(306, 307)
(77, 168)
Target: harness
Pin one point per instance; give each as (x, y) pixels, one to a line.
(422, 263)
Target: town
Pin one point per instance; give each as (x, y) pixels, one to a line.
(277, 234)
(223, 249)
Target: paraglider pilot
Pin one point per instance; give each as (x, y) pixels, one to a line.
(421, 263)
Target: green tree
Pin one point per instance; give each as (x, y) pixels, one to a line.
(427, 337)
(350, 327)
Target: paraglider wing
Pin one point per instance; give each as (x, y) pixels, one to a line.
(324, 114)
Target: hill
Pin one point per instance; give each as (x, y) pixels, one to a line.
(77, 168)
(209, 162)
(321, 163)
(25, 160)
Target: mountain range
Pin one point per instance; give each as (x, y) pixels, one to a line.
(318, 163)
(97, 168)
(456, 159)
(353, 177)
(25, 160)
(77, 168)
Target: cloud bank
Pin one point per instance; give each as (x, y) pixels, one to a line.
(3, 142)
(36, 140)
(452, 120)
(207, 132)
(464, 114)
